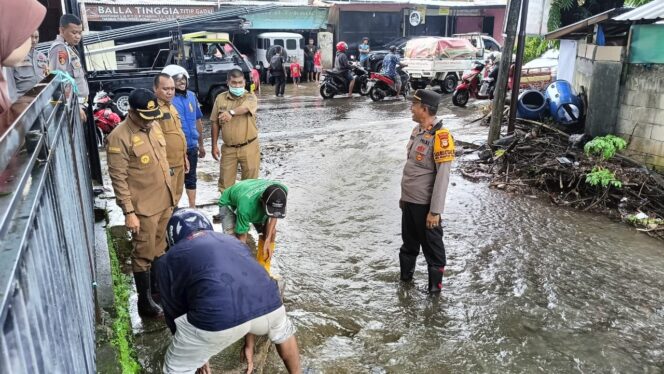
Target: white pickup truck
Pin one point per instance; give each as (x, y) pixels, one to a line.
(439, 61)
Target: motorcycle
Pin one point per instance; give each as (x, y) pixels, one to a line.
(106, 115)
(335, 82)
(382, 86)
(471, 86)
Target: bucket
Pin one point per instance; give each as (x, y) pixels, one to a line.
(564, 104)
(531, 105)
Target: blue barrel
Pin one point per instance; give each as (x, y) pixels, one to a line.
(564, 104)
(531, 105)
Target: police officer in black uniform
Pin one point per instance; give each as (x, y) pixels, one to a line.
(423, 189)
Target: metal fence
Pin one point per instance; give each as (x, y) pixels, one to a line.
(47, 309)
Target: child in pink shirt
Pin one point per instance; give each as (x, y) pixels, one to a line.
(318, 67)
(295, 72)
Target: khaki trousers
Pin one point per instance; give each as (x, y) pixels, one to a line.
(150, 242)
(249, 158)
(177, 181)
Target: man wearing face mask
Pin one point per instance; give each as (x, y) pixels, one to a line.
(192, 125)
(64, 57)
(29, 72)
(176, 143)
(141, 178)
(234, 113)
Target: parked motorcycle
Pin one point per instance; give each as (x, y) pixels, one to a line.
(472, 86)
(106, 114)
(335, 82)
(382, 86)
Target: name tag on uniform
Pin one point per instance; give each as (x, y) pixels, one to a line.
(167, 115)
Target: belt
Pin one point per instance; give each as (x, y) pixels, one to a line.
(241, 145)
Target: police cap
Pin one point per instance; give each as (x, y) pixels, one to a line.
(427, 97)
(144, 102)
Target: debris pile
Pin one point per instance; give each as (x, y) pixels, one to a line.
(541, 158)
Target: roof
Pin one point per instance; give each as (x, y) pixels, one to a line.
(581, 28)
(652, 11)
(438, 3)
(153, 2)
(279, 35)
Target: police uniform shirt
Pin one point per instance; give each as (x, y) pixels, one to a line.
(28, 73)
(426, 174)
(176, 143)
(63, 57)
(241, 128)
(138, 168)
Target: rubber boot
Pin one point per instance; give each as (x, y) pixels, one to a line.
(435, 279)
(154, 287)
(259, 255)
(146, 306)
(407, 264)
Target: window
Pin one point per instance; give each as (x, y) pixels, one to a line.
(278, 42)
(301, 43)
(259, 43)
(291, 44)
(491, 45)
(266, 44)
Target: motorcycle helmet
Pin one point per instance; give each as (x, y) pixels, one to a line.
(175, 71)
(184, 223)
(342, 47)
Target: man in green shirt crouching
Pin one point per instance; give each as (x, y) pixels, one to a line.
(254, 201)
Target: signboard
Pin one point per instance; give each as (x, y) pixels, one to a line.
(422, 9)
(468, 12)
(443, 11)
(415, 18)
(143, 13)
(646, 44)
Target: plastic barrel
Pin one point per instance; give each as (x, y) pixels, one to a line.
(564, 104)
(531, 105)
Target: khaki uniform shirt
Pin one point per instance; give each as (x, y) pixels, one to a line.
(241, 128)
(138, 168)
(176, 143)
(427, 172)
(65, 58)
(27, 73)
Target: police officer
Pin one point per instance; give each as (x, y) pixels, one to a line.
(64, 57)
(140, 174)
(234, 113)
(176, 143)
(29, 72)
(424, 184)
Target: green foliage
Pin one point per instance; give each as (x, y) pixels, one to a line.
(648, 221)
(555, 13)
(122, 334)
(600, 176)
(536, 46)
(636, 3)
(605, 146)
(499, 153)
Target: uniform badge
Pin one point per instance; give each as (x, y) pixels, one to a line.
(419, 157)
(136, 139)
(151, 104)
(145, 159)
(421, 148)
(444, 139)
(62, 57)
(428, 136)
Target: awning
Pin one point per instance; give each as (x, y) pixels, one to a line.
(652, 11)
(290, 18)
(581, 28)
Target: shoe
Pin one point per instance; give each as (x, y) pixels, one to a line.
(435, 279)
(146, 306)
(407, 264)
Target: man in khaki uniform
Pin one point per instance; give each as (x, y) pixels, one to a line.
(141, 180)
(234, 112)
(176, 143)
(64, 57)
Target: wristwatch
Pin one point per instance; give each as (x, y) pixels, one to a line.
(232, 112)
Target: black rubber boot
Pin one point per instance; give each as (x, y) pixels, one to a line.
(146, 306)
(435, 279)
(407, 264)
(154, 288)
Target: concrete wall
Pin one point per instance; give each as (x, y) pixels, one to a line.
(598, 71)
(641, 113)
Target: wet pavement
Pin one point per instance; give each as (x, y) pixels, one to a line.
(529, 287)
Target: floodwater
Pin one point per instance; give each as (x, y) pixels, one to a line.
(529, 287)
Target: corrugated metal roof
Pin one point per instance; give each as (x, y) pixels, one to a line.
(654, 10)
(151, 2)
(440, 3)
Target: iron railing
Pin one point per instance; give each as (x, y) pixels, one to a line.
(47, 308)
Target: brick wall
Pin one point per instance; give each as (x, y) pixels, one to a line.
(641, 113)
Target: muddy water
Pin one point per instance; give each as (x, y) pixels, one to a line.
(529, 287)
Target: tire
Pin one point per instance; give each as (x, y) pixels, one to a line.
(374, 95)
(405, 90)
(214, 93)
(418, 85)
(273, 51)
(460, 98)
(364, 90)
(121, 100)
(100, 137)
(326, 91)
(448, 85)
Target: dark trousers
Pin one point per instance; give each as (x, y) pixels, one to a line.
(279, 85)
(190, 177)
(415, 234)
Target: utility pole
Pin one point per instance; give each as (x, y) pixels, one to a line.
(516, 80)
(503, 70)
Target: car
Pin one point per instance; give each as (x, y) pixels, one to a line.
(292, 45)
(375, 61)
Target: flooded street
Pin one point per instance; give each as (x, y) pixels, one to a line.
(529, 287)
